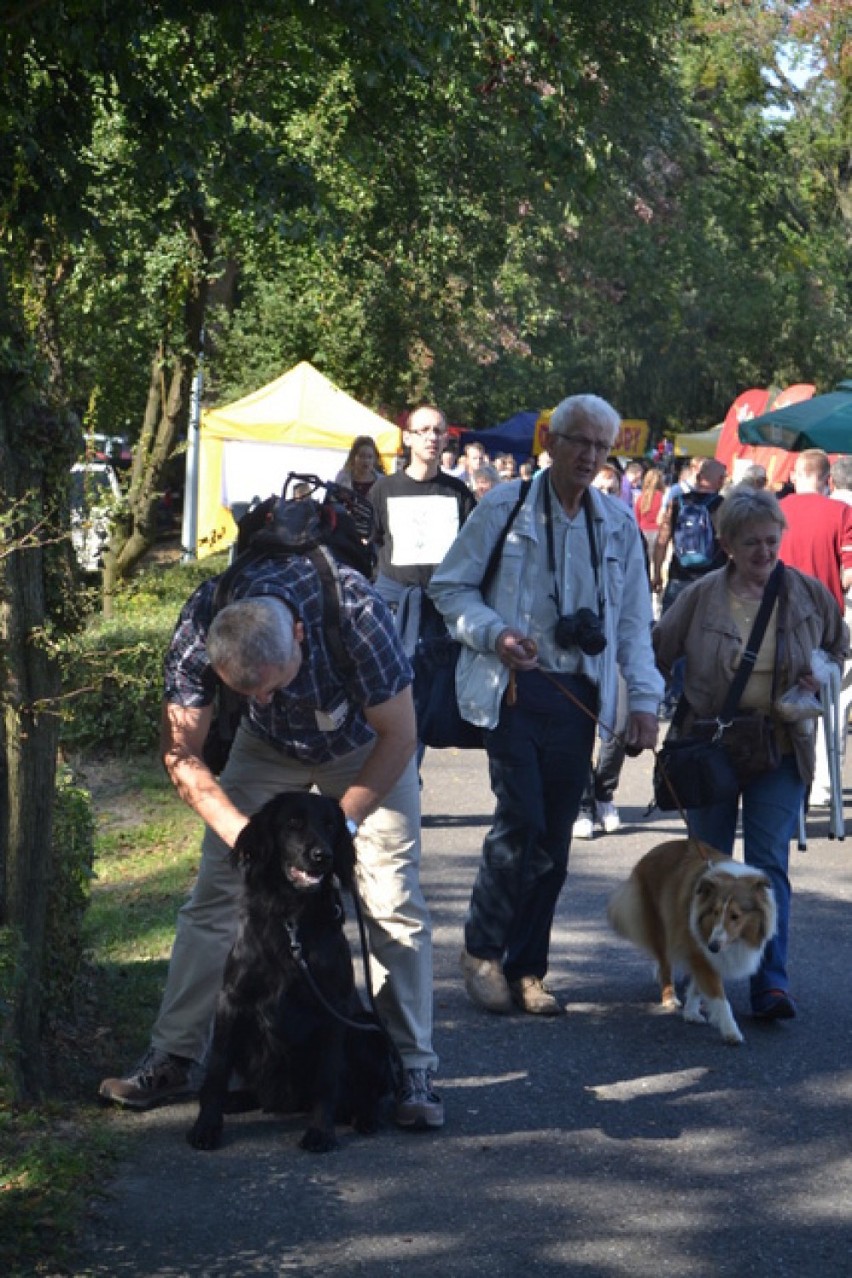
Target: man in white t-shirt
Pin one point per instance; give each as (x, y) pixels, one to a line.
(419, 510)
(417, 515)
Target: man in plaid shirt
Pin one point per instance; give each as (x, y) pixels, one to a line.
(350, 734)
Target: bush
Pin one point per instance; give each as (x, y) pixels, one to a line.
(113, 671)
(71, 869)
(72, 861)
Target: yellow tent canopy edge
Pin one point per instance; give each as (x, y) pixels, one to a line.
(299, 422)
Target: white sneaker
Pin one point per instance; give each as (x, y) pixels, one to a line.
(584, 828)
(607, 814)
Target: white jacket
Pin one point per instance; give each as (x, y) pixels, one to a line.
(477, 621)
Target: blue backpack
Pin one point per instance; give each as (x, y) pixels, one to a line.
(694, 538)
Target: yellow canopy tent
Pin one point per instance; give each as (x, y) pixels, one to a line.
(300, 422)
(701, 443)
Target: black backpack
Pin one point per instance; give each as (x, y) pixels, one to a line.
(321, 531)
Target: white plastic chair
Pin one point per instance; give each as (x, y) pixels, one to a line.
(835, 711)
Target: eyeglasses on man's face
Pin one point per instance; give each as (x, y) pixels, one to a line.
(581, 444)
(429, 430)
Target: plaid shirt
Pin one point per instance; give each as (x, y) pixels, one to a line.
(298, 719)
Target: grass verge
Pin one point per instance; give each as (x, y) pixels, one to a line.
(55, 1157)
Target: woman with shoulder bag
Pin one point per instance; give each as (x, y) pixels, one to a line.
(709, 624)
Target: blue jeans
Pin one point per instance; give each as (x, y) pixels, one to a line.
(539, 762)
(770, 805)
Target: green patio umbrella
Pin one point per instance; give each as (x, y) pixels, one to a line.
(822, 422)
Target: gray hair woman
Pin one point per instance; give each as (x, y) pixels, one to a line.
(708, 625)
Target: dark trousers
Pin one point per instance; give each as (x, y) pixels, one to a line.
(538, 757)
(603, 778)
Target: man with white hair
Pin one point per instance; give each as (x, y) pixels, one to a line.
(568, 606)
(840, 479)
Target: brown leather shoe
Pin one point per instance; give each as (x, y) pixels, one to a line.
(529, 995)
(485, 983)
(158, 1077)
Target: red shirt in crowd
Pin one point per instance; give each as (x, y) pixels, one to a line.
(818, 539)
(648, 521)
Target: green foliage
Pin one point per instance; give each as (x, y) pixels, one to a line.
(523, 220)
(10, 982)
(68, 897)
(50, 1168)
(72, 857)
(112, 673)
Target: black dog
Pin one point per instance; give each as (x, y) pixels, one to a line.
(288, 981)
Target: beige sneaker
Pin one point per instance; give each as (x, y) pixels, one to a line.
(530, 996)
(485, 983)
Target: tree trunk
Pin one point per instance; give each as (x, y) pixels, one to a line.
(166, 418)
(29, 594)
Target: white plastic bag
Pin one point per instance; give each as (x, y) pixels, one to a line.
(798, 704)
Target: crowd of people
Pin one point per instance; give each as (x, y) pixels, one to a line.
(620, 599)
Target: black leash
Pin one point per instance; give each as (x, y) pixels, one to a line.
(301, 963)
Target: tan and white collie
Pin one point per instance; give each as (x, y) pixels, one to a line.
(699, 912)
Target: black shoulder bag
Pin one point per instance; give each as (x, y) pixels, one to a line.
(720, 755)
(439, 723)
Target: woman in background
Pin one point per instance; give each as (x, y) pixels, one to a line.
(362, 466)
(360, 471)
(647, 505)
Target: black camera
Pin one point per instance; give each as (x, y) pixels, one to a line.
(582, 630)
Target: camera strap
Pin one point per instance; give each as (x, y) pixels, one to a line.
(593, 550)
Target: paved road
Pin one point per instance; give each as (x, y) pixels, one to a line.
(615, 1141)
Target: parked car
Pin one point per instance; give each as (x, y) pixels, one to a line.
(94, 491)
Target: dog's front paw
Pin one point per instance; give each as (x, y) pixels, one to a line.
(720, 1014)
(205, 1134)
(317, 1141)
(693, 1008)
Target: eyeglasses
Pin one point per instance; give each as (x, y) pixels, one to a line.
(579, 443)
(430, 430)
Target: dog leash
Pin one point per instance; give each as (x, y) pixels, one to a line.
(302, 964)
(368, 982)
(512, 696)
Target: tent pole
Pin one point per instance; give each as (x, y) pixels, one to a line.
(189, 527)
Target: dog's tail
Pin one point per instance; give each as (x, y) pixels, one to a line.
(625, 913)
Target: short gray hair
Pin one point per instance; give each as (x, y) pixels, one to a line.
(247, 637)
(744, 506)
(841, 472)
(584, 408)
(754, 476)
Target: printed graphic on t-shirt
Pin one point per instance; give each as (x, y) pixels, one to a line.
(422, 529)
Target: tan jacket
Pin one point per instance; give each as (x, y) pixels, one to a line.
(699, 626)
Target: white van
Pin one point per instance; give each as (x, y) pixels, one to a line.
(94, 491)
